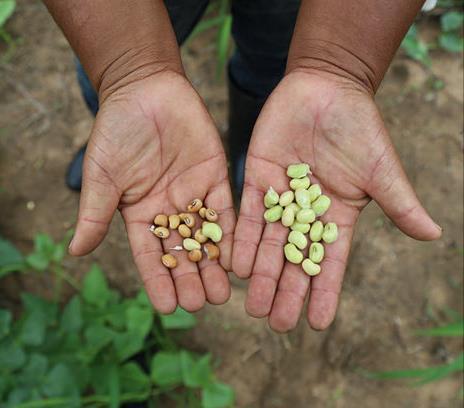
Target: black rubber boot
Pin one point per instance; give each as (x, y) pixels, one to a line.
(243, 112)
(74, 173)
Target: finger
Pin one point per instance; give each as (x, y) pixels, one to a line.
(250, 226)
(220, 199)
(266, 270)
(98, 202)
(290, 297)
(186, 276)
(326, 287)
(215, 281)
(391, 189)
(147, 252)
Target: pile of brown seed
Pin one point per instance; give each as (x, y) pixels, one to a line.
(209, 234)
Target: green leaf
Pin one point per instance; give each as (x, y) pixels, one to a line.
(166, 369)
(12, 356)
(113, 384)
(414, 47)
(133, 379)
(37, 261)
(33, 329)
(195, 373)
(44, 244)
(452, 20)
(127, 344)
(59, 382)
(97, 337)
(450, 330)
(95, 287)
(34, 304)
(142, 299)
(451, 42)
(217, 395)
(71, 319)
(7, 8)
(59, 252)
(5, 323)
(180, 319)
(139, 319)
(35, 369)
(11, 259)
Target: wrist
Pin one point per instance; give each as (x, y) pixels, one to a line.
(334, 61)
(132, 65)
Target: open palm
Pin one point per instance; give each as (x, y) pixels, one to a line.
(335, 126)
(154, 148)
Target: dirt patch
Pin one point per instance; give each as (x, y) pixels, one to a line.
(393, 284)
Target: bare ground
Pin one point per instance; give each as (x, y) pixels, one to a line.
(393, 284)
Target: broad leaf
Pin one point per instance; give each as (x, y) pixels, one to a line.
(451, 42)
(59, 382)
(33, 329)
(12, 356)
(139, 319)
(452, 20)
(180, 319)
(71, 319)
(10, 258)
(217, 395)
(133, 379)
(166, 369)
(127, 344)
(95, 287)
(7, 8)
(195, 372)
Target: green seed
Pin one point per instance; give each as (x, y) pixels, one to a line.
(297, 183)
(297, 226)
(294, 207)
(317, 228)
(298, 238)
(190, 244)
(330, 233)
(316, 252)
(271, 198)
(310, 267)
(321, 205)
(306, 216)
(302, 198)
(288, 217)
(286, 198)
(292, 254)
(273, 214)
(314, 192)
(299, 170)
(212, 231)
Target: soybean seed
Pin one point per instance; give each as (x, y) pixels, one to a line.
(195, 205)
(190, 244)
(161, 232)
(316, 252)
(292, 254)
(211, 250)
(174, 221)
(211, 215)
(184, 231)
(314, 192)
(296, 183)
(298, 238)
(306, 216)
(212, 230)
(271, 198)
(311, 268)
(273, 214)
(317, 228)
(286, 198)
(330, 233)
(299, 170)
(288, 217)
(161, 220)
(297, 226)
(169, 261)
(321, 205)
(302, 198)
(202, 212)
(195, 255)
(187, 219)
(200, 237)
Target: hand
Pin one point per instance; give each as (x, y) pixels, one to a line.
(333, 124)
(154, 148)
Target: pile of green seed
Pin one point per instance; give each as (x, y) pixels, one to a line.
(298, 210)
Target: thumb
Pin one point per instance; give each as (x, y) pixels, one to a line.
(98, 202)
(391, 189)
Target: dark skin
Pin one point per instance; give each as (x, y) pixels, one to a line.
(322, 113)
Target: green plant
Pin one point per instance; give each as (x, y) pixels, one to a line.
(449, 38)
(99, 349)
(425, 375)
(217, 16)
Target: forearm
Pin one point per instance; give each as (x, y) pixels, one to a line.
(352, 38)
(118, 41)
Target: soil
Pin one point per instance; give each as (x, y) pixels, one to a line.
(393, 283)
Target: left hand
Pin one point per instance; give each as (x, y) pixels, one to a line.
(333, 124)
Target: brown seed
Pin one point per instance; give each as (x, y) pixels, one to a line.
(195, 205)
(187, 219)
(184, 231)
(169, 261)
(199, 237)
(174, 221)
(160, 232)
(195, 255)
(161, 220)
(211, 215)
(211, 250)
(202, 212)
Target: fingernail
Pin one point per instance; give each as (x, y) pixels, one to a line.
(70, 244)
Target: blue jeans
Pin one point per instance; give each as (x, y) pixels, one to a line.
(262, 30)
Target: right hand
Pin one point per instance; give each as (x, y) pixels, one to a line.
(153, 148)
